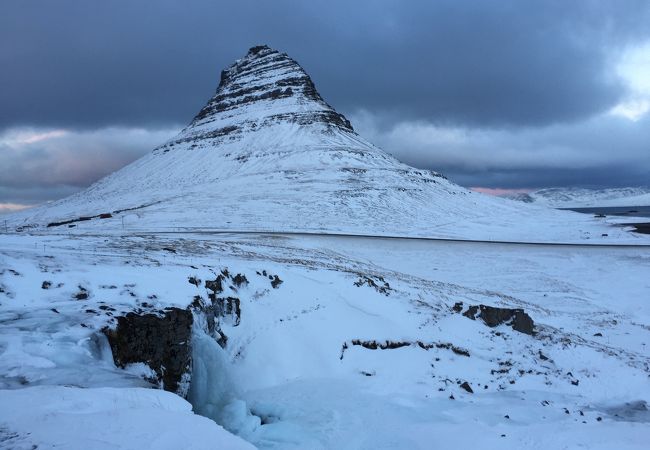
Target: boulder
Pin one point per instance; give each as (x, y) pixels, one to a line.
(493, 316)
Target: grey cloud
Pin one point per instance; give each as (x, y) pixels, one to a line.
(36, 168)
(536, 178)
(505, 93)
(32, 195)
(130, 63)
(605, 150)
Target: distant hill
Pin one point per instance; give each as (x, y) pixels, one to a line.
(585, 198)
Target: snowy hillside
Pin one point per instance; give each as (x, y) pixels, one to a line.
(267, 153)
(586, 198)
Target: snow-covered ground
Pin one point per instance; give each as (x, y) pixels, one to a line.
(105, 418)
(299, 369)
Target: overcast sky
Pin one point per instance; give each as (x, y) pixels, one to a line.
(506, 94)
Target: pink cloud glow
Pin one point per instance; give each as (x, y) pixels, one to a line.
(6, 208)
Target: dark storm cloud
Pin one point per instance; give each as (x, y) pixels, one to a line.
(32, 195)
(538, 178)
(606, 150)
(503, 93)
(133, 63)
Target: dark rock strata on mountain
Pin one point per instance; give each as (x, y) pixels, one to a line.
(263, 80)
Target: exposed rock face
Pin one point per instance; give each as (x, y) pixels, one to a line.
(380, 285)
(493, 316)
(391, 345)
(265, 87)
(227, 307)
(163, 342)
(216, 285)
(466, 386)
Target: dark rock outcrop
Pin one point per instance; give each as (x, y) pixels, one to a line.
(380, 285)
(465, 385)
(79, 219)
(162, 341)
(227, 307)
(239, 280)
(390, 345)
(493, 316)
(276, 282)
(216, 285)
(82, 294)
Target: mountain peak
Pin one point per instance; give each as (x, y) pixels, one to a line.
(264, 88)
(260, 49)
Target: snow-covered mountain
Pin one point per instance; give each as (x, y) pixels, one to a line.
(313, 341)
(268, 153)
(586, 198)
